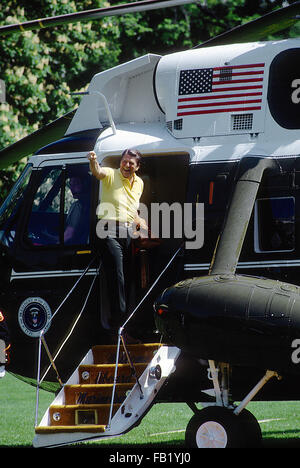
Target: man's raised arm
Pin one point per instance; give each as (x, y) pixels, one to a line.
(97, 171)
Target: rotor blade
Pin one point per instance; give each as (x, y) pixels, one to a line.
(36, 140)
(88, 15)
(259, 28)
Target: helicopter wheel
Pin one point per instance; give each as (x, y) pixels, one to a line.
(251, 428)
(219, 427)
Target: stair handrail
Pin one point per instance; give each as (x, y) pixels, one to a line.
(152, 286)
(43, 341)
(133, 370)
(120, 337)
(73, 288)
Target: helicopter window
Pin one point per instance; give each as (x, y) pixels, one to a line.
(11, 208)
(275, 225)
(43, 226)
(47, 197)
(77, 205)
(61, 207)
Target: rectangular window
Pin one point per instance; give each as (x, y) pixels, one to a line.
(12, 207)
(77, 197)
(274, 225)
(43, 225)
(60, 212)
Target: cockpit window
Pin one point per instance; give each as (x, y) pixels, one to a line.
(47, 197)
(43, 226)
(275, 225)
(61, 207)
(77, 207)
(11, 208)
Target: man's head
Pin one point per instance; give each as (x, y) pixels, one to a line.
(77, 186)
(130, 162)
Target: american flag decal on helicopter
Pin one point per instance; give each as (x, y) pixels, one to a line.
(221, 89)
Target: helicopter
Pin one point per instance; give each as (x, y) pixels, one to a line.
(220, 123)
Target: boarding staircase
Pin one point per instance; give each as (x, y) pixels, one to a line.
(108, 394)
(112, 388)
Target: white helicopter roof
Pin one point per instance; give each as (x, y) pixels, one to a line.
(213, 102)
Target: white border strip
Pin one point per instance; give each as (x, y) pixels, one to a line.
(187, 267)
(15, 275)
(262, 264)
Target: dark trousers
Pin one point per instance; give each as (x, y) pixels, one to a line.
(115, 254)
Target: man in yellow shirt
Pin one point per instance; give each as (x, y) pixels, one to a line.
(118, 209)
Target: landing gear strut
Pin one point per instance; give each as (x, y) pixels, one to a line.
(222, 425)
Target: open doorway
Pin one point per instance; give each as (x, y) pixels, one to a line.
(165, 184)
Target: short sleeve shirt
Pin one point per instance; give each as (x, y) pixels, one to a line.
(119, 198)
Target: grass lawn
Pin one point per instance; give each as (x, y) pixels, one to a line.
(163, 427)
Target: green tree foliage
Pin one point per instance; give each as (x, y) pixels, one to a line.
(42, 67)
(170, 30)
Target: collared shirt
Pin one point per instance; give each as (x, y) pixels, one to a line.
(119, 198)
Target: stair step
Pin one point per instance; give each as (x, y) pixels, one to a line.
(78, 428)
(74, 415)
(95, 394)
(104, 373)
(139, 353)
(85, 406)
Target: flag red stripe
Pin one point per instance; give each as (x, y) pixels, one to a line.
(250, 80)
(234, 67)
(221, 75)
(219, 96)
(238, 88)
(211, 104)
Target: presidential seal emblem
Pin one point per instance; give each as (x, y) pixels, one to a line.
(34, 316)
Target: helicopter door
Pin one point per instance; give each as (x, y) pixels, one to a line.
(165, 182)
(60, 211)
(165, 179)
(12, 209)
(58, 218)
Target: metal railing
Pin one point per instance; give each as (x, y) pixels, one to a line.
(42, 340)
(120, 338)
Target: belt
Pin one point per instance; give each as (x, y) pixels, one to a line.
(119, 223)
(124, 224)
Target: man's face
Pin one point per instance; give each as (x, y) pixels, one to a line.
(128, 166)
(76, 186)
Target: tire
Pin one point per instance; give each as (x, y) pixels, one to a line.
(251, 428)
(215, 427)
